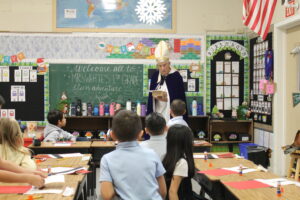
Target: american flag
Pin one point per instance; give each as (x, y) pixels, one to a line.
(257, 15)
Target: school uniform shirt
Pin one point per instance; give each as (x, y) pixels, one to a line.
(133, 171)
(177, 120)
(53, 133)
(158, 143)
(19, 158)
(181, 168)
(185, 188)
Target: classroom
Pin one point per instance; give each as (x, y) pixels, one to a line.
(228, 70)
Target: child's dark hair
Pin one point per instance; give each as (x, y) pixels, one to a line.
(54, 116)
(126, 125)
(179, 145)
(178, 107)
(156, 123)
(2, 101)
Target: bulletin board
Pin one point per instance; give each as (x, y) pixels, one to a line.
(35, 105)
(261, 104)
(217, 46)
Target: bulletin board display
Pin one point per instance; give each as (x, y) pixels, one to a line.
(260, 104)
(227, 80)
(25, 91)
(216, 47)
(102, 46)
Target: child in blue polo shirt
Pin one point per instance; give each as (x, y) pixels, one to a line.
(131, 172)
(177, 110)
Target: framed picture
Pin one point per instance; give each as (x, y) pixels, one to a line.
(156, 16)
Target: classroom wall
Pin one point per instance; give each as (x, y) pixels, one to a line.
(193, 16)
(293, 113)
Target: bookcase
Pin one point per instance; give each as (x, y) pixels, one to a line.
(196, 123)
(242, 128)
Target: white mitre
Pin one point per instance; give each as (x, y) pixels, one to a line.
(162, 52)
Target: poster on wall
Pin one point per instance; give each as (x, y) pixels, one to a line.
(115, 16)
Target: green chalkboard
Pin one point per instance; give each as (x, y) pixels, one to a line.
(96, 83)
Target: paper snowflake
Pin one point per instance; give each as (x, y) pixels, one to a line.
(150, 11)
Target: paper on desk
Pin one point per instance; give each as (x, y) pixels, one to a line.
(209, 156)
(43, 191)
(62, 144)
(198, 156)
(55, 179)
(250, 184)
(237, 169)
(85, 158)
(14, 189)
(69, 155)
(273, 182)
(217, 172)
(63, 170)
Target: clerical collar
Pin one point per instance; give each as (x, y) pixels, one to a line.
(160, 76)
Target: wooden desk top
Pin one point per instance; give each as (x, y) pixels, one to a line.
(85, 144)
(65, 162)
(103, 144)
(198, 143)
(72, 184)
(290, 191)
(221, 163)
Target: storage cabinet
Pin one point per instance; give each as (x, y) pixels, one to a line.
(196, 123)
(242, 128)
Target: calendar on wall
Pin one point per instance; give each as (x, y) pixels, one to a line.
(260, 103)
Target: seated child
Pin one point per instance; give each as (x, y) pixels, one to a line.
(177, 110)
(11, 173)
(293, 147)
(130, 171)
(11, 144)
(156, 127)
(53, 131)
(179, 162)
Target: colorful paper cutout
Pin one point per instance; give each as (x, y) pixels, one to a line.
(241, 185)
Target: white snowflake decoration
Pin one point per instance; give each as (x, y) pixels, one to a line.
(150, 11)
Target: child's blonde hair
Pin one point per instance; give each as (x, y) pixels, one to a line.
(11, 136)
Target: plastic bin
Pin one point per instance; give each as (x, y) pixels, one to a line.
(244, 149)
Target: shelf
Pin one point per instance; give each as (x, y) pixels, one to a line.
(230, 121)
(198, 116)
(228, 142)
(93, 117)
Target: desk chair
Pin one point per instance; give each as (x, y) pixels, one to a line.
(295, 158)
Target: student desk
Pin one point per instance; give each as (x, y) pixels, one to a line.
(73, 184)
(213, 185)
(201, 146)
(66, 162)
(49, 148)
(86, 183)
(99, 148)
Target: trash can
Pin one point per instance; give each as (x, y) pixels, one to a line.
(257, 154)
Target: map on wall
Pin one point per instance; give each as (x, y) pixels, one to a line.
(115, 14)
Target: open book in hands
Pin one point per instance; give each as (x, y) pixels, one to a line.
(158, 93)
